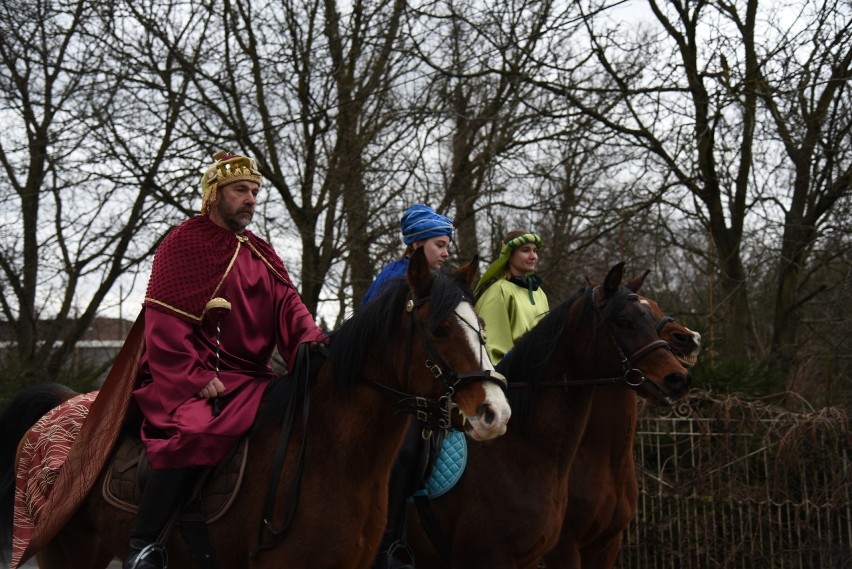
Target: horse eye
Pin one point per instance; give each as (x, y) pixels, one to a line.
(622, 322)
(441, 331)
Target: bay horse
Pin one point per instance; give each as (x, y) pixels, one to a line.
(507, 509)
(415, 349)
(603, 490)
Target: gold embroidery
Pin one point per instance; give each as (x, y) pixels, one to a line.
(172, 308)
(265, 262)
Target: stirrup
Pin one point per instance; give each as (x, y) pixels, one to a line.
(154, 551)
(399, 546)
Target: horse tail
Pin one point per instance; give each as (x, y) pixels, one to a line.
(21, 413)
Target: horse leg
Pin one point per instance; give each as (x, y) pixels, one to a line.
(601, 555)
(565, 555)
(496, 558)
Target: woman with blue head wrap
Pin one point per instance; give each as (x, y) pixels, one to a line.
(423, 227)
(509, 296)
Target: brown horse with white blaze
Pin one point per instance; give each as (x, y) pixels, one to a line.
(418, 343)
(603, 489)
(507, 509)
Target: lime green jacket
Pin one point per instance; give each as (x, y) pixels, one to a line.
(508, 314)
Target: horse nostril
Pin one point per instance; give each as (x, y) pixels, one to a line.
(677, 382)
(681, 338)
(486, 413)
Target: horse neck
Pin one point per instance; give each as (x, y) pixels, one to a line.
(362, 424)
(557, 422)
(352, 442)
(612, 419)
(357, 431)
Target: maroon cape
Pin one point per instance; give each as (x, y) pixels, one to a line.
(94, 445)
(193, 261)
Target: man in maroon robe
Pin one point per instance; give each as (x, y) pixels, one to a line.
(219, 301)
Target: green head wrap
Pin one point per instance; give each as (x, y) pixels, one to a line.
(496, 269)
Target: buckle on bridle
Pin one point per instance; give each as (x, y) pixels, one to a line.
(436, 370)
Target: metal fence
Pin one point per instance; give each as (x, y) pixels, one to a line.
(731, 483)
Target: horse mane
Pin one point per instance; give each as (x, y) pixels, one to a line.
(376, 324)
(530, 358)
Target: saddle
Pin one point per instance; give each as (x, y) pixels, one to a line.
(128, 470)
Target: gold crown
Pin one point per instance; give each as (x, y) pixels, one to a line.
(228, 168)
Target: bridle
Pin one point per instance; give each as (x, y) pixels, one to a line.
(631, 376)
(662, 323)
(433, 414)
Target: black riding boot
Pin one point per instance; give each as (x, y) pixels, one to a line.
(164, 493)
(394, 552)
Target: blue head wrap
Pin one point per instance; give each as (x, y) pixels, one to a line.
(421, 222)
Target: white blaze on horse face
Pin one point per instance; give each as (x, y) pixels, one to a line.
(494, 412)
(687, 359)
(696, 337)
(690, 359)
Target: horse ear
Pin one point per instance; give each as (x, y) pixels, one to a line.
(590, 281)
(612, 282)
(635, 283)
(419, 274)
(467, 272)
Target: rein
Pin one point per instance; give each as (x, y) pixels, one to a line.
(627, 377)
(300, 377)
(632, 376)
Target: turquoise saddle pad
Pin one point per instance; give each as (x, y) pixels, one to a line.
(448, 468)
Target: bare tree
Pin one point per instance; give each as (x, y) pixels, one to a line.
(308, 88)
(712, 145)
(802, 78)
(74, 216)
(694, 93)
(501, 138)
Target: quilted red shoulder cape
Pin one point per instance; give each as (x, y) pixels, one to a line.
(192, 262)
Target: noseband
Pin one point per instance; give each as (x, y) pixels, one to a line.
(433, 413)
(662, 323)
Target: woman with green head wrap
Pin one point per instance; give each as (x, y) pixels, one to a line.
(509, 295)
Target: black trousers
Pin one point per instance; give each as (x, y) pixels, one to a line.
(403, 483)
(165, 492)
